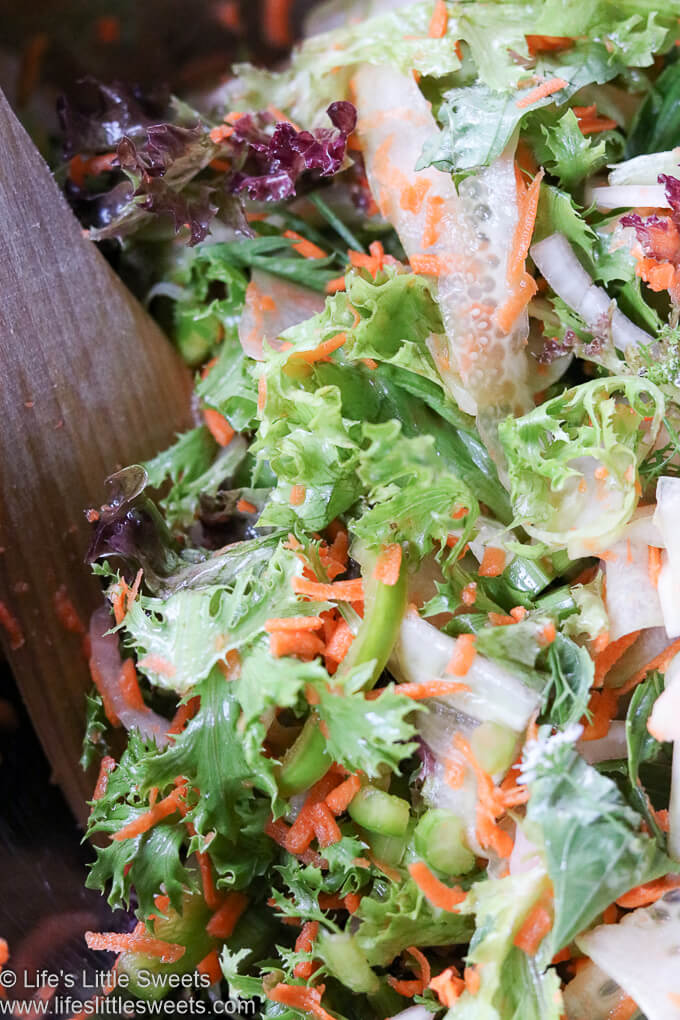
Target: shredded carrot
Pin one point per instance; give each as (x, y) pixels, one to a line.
(433, 218)
(305, 247)
(335, 285)
(221, 925)
(650, 892)
(277, 23)
(221, 133)
(341, 591)
(624, 1010)
(429, 265)
(610, 914)
(306, 1000)
(12, 628)
(210, 895)
(219, 427)
(439, 895)
(611, 654)
(602, 707)
(491, 803)
(321, 352)
(134, 942)
(542, 91)
(660, 662)
(388, 565)
(304, 943)
(362, 261)
(413, 195)
(184, 713)
(501, 619)
(493, 562)
(547, 634)
(507, 314)
(654, 564)
(297, 495)
(438, 21)
(447, 986)
(547, 43)
(589, 123)
(340, 642)
(146, 821)
(106, 767)
(129, 686)
(533, 929)
(295, 642)
(463, 655)
(209, 966)
(339, 799)
(244, 506)
(261, 393)
(430, 688)
(472, 980)
(280, 115)
(326, 828)
(526, 220)
(469, 594)
(293, 623)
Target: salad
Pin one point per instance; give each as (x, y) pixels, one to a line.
(386, 685)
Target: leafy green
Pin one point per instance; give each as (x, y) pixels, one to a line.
(96, 725)
(413, 499)
(512, 984)
(230, 388)
(594, 849)
(656, 124)
(273, 254)
(396, 916)
(185, 634)
(196, 467)
(571, 676)
(642, 746)
(554, 450)
(567, 153)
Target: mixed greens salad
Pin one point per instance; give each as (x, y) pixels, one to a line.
(393, 633)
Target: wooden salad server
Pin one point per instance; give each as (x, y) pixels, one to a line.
(88, 384)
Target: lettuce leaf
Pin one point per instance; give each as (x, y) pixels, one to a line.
(554, 451)
(593, 844)
(512, 984)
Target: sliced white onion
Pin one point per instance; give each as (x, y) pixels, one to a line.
(107, 659)
(525, 855)
(631, 196)
(666, 518)
(632, 598)
(606, 748)
(272, 306)
(640, 953)
(413, 1013)
(558, 263)
(645, 169)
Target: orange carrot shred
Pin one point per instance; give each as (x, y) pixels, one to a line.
(447, 986)
(221, 925)
(184, 714)
(321, 352)
(339, 799)
(261, 393)
(547, 634)
(472, 980)
(430, 689)
(493, 562)
(624, 1010)
(209, 966)
(335, 285)
(533, 930)
(602, 707)
(660, 662)
(469, 594)
(244, 506)
(106, 767)
(146, 821)
(340, 642)
(542, 91)
(438, 21)
(650, 892)
(305, 247)
(295, 642)
(210, 895)
(297, 495)
(304, 943)
(388, 565)
(306, 1000)
(439, 895)
(548, 43)
(343, 591)
(611, 654)
(293, 623)
(463, 655)
(654, 564)
(433, 218)
(116, 942)
(219, 427)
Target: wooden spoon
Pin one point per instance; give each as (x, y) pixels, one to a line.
(89, 384)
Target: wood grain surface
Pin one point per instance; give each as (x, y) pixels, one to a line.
(87, 384)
